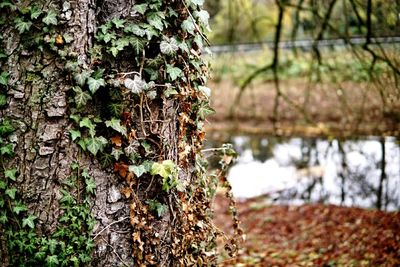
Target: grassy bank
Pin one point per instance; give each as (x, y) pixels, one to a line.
(340, 97)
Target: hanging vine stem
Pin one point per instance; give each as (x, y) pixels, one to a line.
(195, 24)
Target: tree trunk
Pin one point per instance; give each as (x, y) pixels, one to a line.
(130, 219)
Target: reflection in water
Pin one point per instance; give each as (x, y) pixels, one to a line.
(364, 173)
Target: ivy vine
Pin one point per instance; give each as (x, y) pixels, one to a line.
(145, 78)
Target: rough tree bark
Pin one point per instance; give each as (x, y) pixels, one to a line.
(44, 150)
(39, 106)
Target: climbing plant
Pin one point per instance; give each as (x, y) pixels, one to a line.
(137, 105)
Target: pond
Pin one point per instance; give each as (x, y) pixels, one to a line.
(354, 172)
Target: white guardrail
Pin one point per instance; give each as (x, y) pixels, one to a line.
(304, 44)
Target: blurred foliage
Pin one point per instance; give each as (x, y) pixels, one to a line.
(243, 21)
(338, 66)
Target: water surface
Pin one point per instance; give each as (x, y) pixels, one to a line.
(357, 172)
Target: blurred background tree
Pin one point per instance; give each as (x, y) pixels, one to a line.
(243, 21)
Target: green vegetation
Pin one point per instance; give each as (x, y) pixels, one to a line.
(137, 105)
(70, 244)
(338, 66)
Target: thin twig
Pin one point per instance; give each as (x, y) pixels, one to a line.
(108, 226)
(128, 73)
(195, 24)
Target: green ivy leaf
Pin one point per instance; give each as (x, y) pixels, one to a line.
(40, 255)
(96, 144)
(106, 160)
(203, 17)
(116, 125)
(3, 100)
(205, 111)
(29, 221)
(108, 37)
(86, 122)
(75, 117)
(74, 134)
(52, 261)
(11, 192)
(164, 169)
(114, 51)
(66, 198)
(121, 43)
(98, 74)
(6, 128)
(146, 146)
(117, 153)
(137, 85)
(68, 38)
(197, 2)
(50, 18)
(52, 244)
(115, 108)
(205, 91)
(84, 258)
(81, 98)
(135, 29)
(154, 205)
(150, 31)
(169, 46)
(199, 41)
(155, 19)
(137, 44)
(119, 23)
(82, 144)
(90, 186)
(81, 78)
(95, 84)
(3, 185)
(141, 9)
(170, 91)
(22, 26)
(35, 12)
(147, 164)
(105, 27)
(137, 170)
(19, 207)
(7, 150)
(4, 78)
(5, 4)
(173, 72)
(11, 174)
(188, 25)
(3, 217)
(85, 174)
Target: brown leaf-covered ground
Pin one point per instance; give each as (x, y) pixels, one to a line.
(313, 235)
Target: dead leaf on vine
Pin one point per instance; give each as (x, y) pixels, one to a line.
(182, 196)
(116, 140)
(126, 117)
(59, 40)
(136, 237)
(132, 135)
(130, 179)
(185, 207)
(126, 191)
(201, 135)
(184, 117)
(122, 169)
